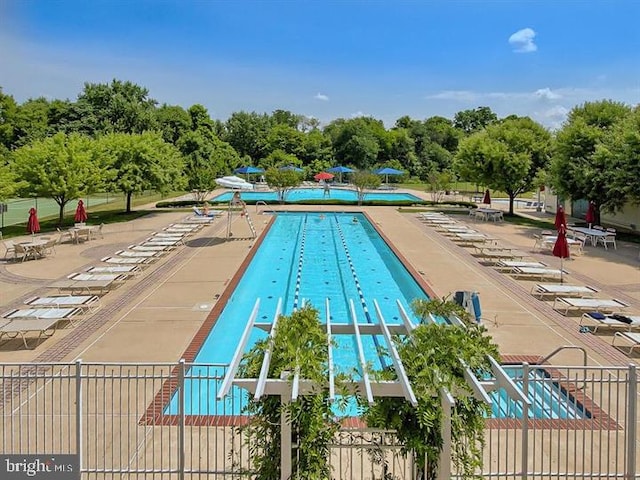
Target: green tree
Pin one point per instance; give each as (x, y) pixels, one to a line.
(247, 133)
(8, 111)
(364, 180)
(470, 121)
(282, 181)
(440, 183)
(31, 121)
(9, 184)
(505, 156)
(432, 356)
(62, 167)
(139, 162)
(117, 107)
(576, 170)
(355, 141)
(173, 121)
(205, 160)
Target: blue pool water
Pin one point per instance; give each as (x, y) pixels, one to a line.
(302, 194)
(548, 399)
(329, 253)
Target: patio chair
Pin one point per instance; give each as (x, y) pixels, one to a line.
(65, 235)
(609, 238)
(211, 214)
(9, 250)
(633, 338)
(22, 253)
(597, 320)
(552, 290)
(49, 248)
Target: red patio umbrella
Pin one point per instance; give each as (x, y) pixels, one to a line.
(591, 214)
(561, 220)
(561, 248)
(33, 226)
(81, 213)
(323, 176)
(487, 197)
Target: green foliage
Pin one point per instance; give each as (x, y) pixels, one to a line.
(282, 181)
(62, 167)
(470, 121)
(9, 184)
(117, 107)
(505, 156)
(206, 158)
(439, 183)
(590, 155)
(299, 346)
(431, 356)
(139, 162)
(363, 180)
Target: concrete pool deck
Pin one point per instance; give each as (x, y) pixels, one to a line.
(153, 318)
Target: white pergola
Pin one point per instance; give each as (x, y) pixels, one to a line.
(290, 388)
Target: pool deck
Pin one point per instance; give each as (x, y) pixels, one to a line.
(155, 316)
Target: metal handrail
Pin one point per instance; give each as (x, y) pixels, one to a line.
(567, 347)
(260, 202)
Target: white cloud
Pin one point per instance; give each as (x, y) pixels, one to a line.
(547, 94)
(457, 95)
(522, 41)
(358, 114)
(321, 96)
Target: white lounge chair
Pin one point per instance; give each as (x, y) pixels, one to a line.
(137, 254)
(509, 265)
(631, 337)
(537, 272)
(210, 214)
(128, 260)
(604, 305)
(552, 290)
(44, 327)
(124, 270)
(596, 320)
(89, 302)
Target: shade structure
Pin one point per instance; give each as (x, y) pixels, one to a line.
(291, 168)
(487, 197)
(339, 169)
(323, 176)
(388, 171)
(248, 170)
(561, 248)
(33, 226)
(561, 220)
(591, 214)
(81, 213)
(234, 182)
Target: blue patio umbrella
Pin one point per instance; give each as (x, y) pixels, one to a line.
(340, 170)
(388, 171)
(291, 168)
(248, 170)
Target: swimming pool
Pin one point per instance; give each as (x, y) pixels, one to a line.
(303, 194)
(309, 257)
(549, 400)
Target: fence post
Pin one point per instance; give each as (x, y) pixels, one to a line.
(632, 424)
(525, 424)
(79, 449)
(181, 426)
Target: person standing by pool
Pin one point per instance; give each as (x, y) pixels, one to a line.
(327, 190)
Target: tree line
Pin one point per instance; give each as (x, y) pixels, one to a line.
(115, 137)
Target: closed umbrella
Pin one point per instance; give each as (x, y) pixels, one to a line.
(81, 213)
(487, 197)
(561, 220)
(33, 226)
(561, 248)
(591, 214)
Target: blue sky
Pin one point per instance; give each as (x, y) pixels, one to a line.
(330, 59)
